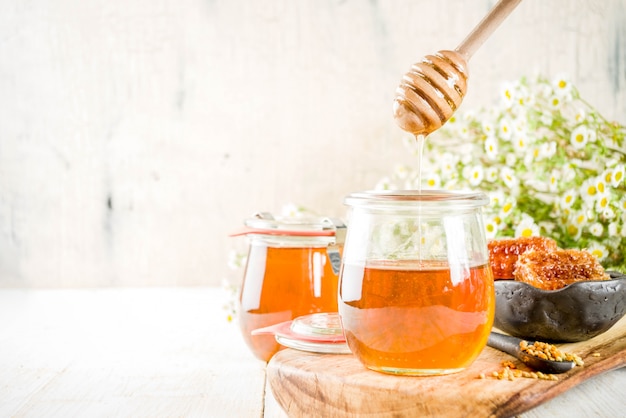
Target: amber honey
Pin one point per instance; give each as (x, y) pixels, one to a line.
(280, 284)
(416, 317)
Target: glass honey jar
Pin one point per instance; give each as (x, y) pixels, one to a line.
(416, 293)
(292, 270)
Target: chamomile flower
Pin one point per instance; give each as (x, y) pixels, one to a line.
(527, 227)
(617, 177)
(607, 214)
(448, 164)
(567, 199)
(507, 94)
(598, 250)
(582, 135)
(579, 219)
(491, 229)
(505, 130)
(553, 181)
(463, 132)
(573, 231)
(496, 198)
(432, 181)
(532, 155)
(547, 150)
(579, 115)
(291, 210)
(555, 102)
(488, 128)
(596, 229)
(476, 175)
(491, 148)
(491, 174)
(562, 86)
(507, 208)
(520, 143)
(607, 176)
(520, 127)
(524, 99)
(508, 177)
(588, 191)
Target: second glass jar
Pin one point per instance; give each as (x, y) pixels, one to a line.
(292, 270)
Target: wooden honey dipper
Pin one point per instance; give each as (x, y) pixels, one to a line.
(434, 88)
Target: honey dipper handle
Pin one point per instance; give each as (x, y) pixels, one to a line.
(486, 27)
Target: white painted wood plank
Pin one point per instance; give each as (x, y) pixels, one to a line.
(158, 352)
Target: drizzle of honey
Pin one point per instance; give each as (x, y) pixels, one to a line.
(421, 142)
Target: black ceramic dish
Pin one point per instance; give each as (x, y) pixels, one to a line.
(576, 312)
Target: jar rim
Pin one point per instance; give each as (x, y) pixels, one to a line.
(410, 197)
(264, 223)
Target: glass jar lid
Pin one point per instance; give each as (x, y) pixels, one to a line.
(265, 223)
(424, 198)
(317, 333)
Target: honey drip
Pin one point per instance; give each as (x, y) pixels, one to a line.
(421, 141)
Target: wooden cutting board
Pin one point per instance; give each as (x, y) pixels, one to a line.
(307, 384)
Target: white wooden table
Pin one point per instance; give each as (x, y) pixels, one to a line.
(165, 352)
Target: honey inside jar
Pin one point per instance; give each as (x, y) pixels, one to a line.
(416, 317)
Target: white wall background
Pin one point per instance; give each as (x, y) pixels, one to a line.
(135, 134)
